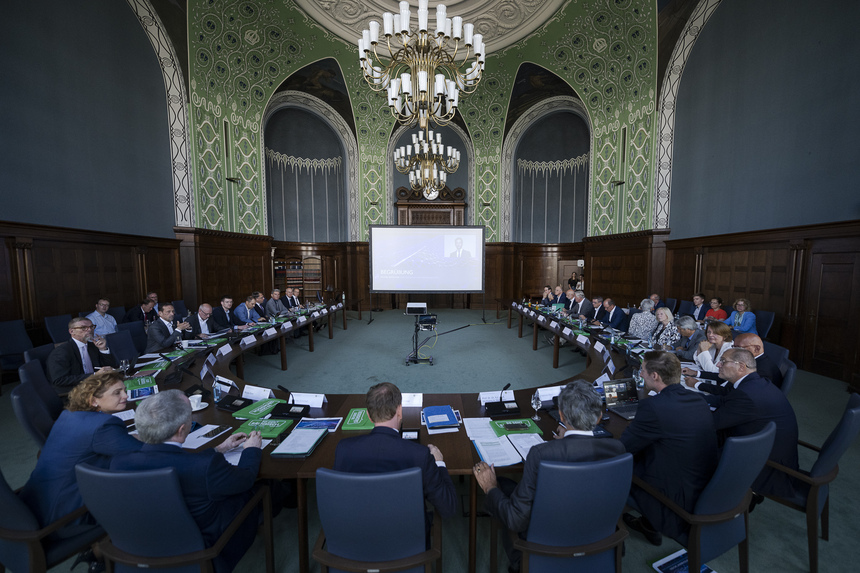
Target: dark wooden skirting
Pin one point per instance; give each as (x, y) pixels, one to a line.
(808, 276)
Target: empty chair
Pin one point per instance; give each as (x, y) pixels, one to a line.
(180, 309)
(775, 352)
(672, 304)
(763, 322)
(14, 342)
(348, 502)
(122, 346)
(145, 540)
(686, 307)
(32, 413)
(554, 541)
(138, 334)
(24, 546)
(812, 492)
(789, 371)
(118, 312)
(58, 327)
(40, 354)
(720, 517)
(32, 374)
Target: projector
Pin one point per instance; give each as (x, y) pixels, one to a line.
(417, 308)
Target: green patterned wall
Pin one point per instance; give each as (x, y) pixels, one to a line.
(241, 51)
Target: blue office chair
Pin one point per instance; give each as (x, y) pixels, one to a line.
(40, 354)
(32, 374)
(348, 502)
(775, 352)
(554, 541)
(812, 489)
(118, 312)
(58, 327)
(789, 371)
(154, 498)
(25, 546)
(763, 322)
(32, 413)
(122, 346)
(720, 519)
(14, 342)
(138, 334)
(671, 303)
(686, 307)
(180, 309)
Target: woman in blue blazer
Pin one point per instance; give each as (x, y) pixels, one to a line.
(85, 432)
(741, 319)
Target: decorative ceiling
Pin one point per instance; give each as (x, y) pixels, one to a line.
(501, 22)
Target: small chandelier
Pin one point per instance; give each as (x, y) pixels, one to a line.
(420, 71)
(427, 162)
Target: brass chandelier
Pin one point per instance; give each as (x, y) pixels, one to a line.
(420, 70)
(428, 163)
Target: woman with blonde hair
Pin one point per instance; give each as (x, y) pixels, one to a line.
(86, 432)
(667, 334)
(742, 319)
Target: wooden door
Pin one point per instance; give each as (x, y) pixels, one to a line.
(832, 314)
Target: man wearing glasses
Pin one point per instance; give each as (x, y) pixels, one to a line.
(76, 359)
(200, 322)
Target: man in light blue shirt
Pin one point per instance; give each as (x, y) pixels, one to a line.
(247, 312)
(104, 323)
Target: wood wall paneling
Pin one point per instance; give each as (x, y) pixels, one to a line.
(626, 267)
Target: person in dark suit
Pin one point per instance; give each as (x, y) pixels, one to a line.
(75, 359)
(214, 490)
(700, 309)
(223, 317)
(674, 444)
(144, 312)
(765, 368)
(383, 450)
(164, 332)
(596, 312)
(748, 408)
(691, 336)
(580, 410)
(576, 304)
(260, 305)
(560, 297)
(655, 298)
(86, 432)
(459, 252)
(548, 296)
(199, 323)
(614, 317)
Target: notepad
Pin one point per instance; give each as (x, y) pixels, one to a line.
(300, 443)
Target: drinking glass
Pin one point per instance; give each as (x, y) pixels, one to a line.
(536, 404)
(123, 367)
(640, 382)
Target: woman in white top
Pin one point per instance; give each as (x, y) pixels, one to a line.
(719, 339)
(642, 324)
(667, 334)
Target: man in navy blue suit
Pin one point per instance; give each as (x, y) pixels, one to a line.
(753, 403)
(614, 316)
(580, 410)
(214, 490)
(674, 444)
(383, 450)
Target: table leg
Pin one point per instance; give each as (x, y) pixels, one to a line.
(521, 320)
(510, 314)
(343, 314)
(473, 522)
(534, 336)
(310, 335)
(283, 342)
(359, 310)
(555, 345)
(330, 325)
(302, 509)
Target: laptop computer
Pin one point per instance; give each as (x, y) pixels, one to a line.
(621, 397)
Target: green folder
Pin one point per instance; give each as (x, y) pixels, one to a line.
(357, 419)
(139, 382)
(258, 409)
(269, 429)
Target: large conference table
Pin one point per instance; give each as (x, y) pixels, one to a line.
(459, 453)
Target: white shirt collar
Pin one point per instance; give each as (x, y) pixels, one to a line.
(572, 432)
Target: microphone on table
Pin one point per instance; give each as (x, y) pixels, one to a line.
(296, 411)
(502, 393)
(501, 408)
(288, 393)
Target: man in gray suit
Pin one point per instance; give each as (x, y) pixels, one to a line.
(580, 410)
(164, 332)
(691, 336)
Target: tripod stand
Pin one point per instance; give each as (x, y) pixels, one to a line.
(413, 358)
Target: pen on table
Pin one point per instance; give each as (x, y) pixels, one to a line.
(560, 424)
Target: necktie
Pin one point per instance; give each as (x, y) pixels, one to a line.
(85, 359)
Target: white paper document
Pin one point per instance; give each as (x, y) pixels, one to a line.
(198, 437)
(479, 429)
(125, 415)
(524, 442)
(485, 397)
(498, 452)
(412, 400)
(232, 456)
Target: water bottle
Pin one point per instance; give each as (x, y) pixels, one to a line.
(216, 391)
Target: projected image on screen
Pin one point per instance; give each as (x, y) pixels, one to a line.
(426, 259)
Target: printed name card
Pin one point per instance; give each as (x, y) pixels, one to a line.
(271, 331)
(302, 319)
(485, 397)
(248, 340)
(203, 371)
(582, 339)
(531, 312)
(257, 393)
(210, 360)
(553, 324)
(324, 311)
(412, 400)
(340, 305)
(513, 303)
(334, 308)
(315, 315)
(567, 331)
(611, 366)
(541, 318)
(603, 378)
(224, 350)
(598, 346)
(312, 400)
(547, 394)
(287, 326)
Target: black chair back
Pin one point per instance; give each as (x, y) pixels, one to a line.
(763, 322)
(58, 327)
(122, 346)
(40, 354)
(118, 312)
(32, 413)
(138, 334)
(687, 307)
(180, 309)
(775, 352)
(32, 374)
(14, 342)
(789, 371)
(671, 304)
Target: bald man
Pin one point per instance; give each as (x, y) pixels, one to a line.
(765, 367)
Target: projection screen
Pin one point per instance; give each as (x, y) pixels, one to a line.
(413, 259)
